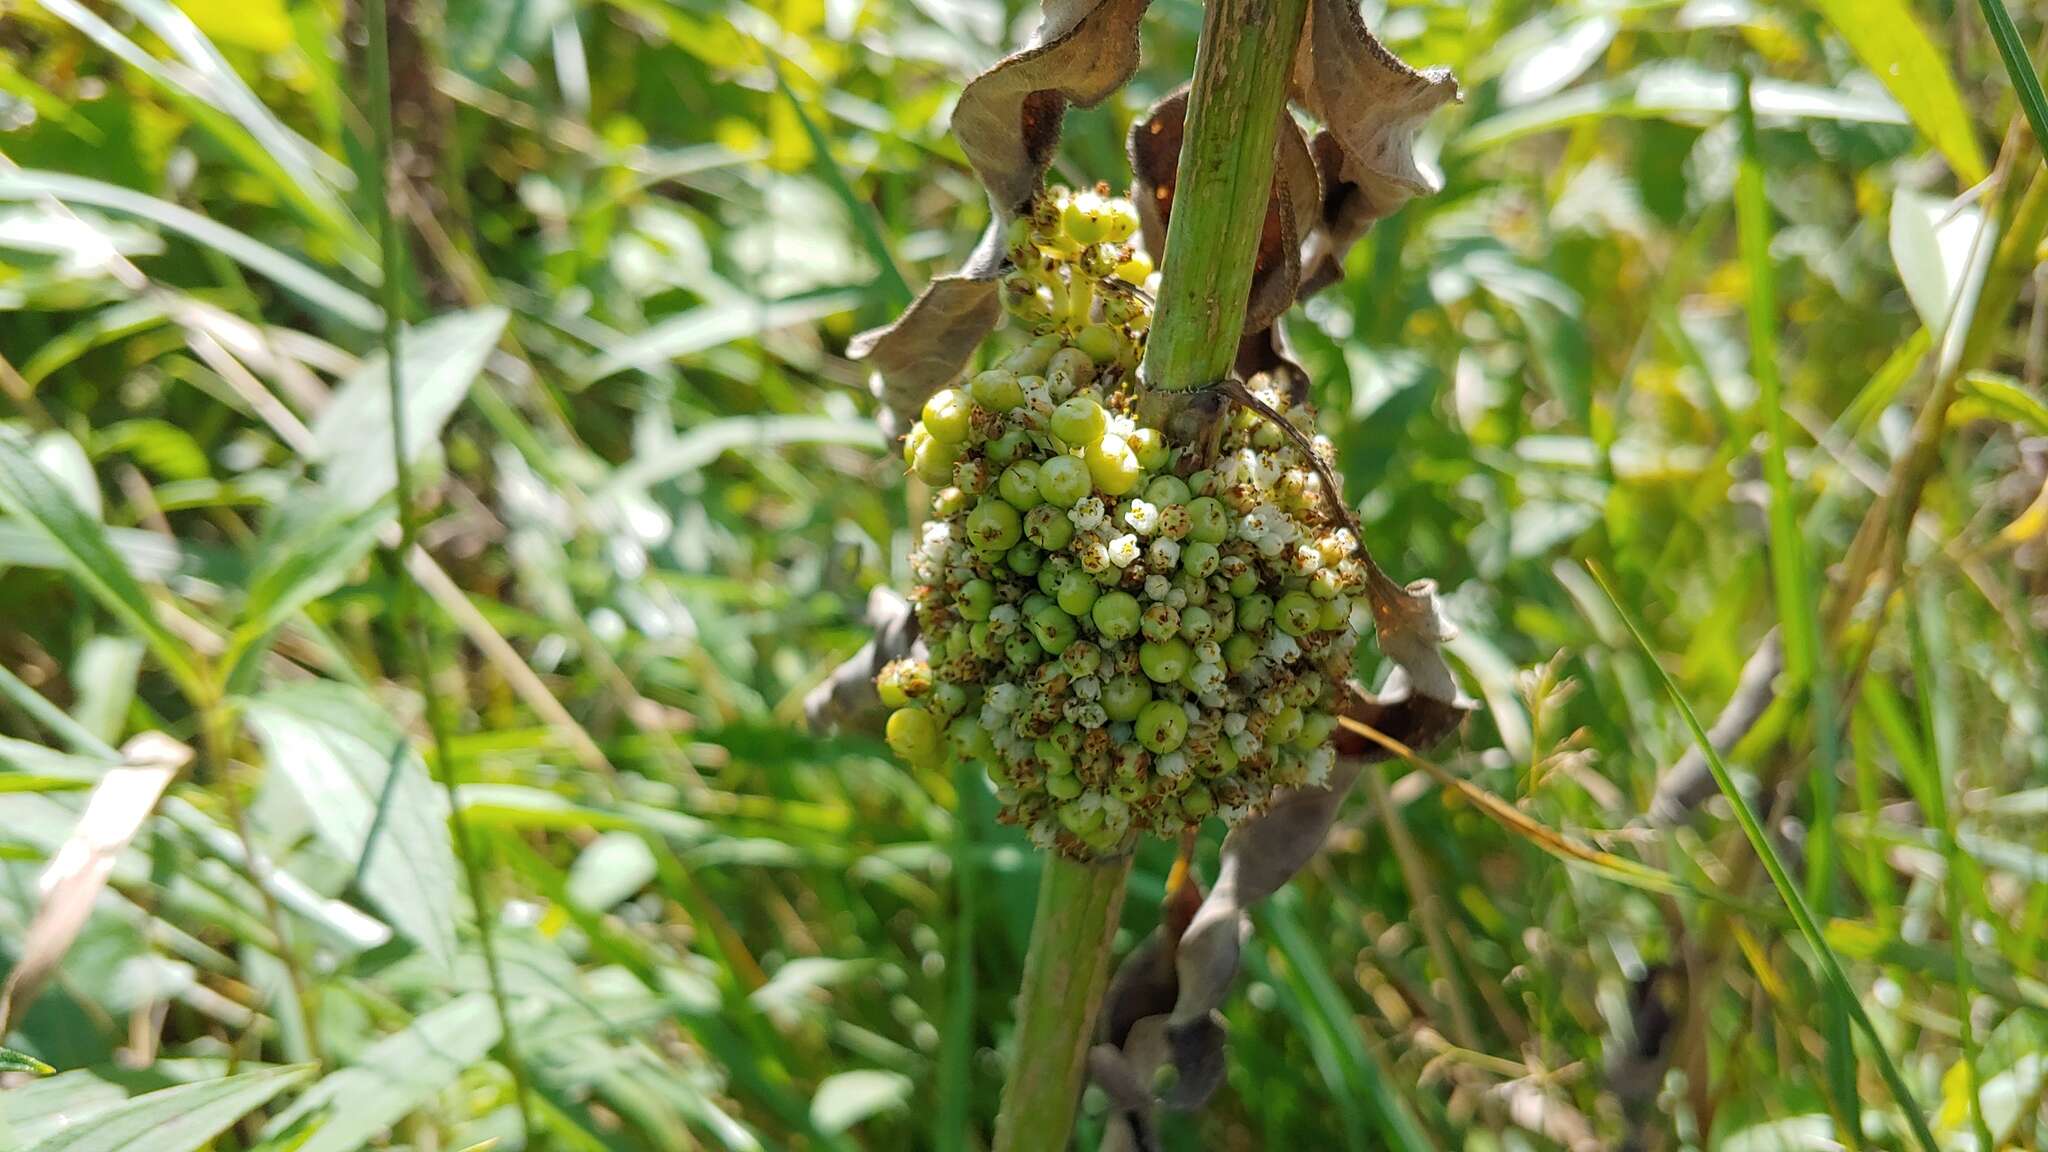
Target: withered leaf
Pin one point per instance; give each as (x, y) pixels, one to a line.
(1371, 105)
(847, 698)
(1008, 123)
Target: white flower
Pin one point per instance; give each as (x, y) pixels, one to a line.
(1087, 687)
(1245, 744)
(1208, 652)
(1005, 698)
(1233, 723)
(1178, 598)
(1319, 763)
(1172, 765)
(1086, 713)
(1157, 587)
(1282, 648)
(1121, 425)
(1142, 517)
(1165, 554)
(1089, 514)
(1123, 550)
(1207, 677)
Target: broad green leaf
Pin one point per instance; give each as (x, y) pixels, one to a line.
(1988, 395)
(295, 277)
(105, 326)
(37, 1111)
(337, 748)
(65, 461)
(709, 325)
(1890, 42)
(1559, 56)
(28, 492)
(181, 1119)
(258, 25)
(1682, 91)
(610, 869)
(104, 671)
(1932, 241)
(847, 1098)
(393, 1077)
(442, 358)
(305, 552)
(708, 441)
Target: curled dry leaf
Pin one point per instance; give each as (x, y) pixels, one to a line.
(847, 698)
(1422, 703)
(1008, 124)
(76, 874)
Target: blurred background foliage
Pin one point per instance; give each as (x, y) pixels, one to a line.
(641, 233)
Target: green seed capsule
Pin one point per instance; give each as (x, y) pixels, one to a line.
(1022, 650)
(1009, 446)
(976, 598)
(1196, 624)
(1056, 761)
(946, 416)
(1115, 615)
(1048, 527)
(1196, 803)
(1062, 787)
(1063, 481)
(1054, 629)
(913, 734)
(1082, 658)
(1070, 368)
(1103, 344)
(1018, 485)
(1162, 725)
(948, 698)
(1284, 726)
(1211, 522)
(1297, 613)
(979, 643)
(1335, 614)
(1112, 465)
(996, 389)
(1160, 622)
(1165, 661)
(1031, 359)
(1253, 611)
(1198, 560)
(1238, 651)
(1053, 575)
(1025, 558)
(1079, 420)
(1161, 491)
(932, 462)
(994, 525)
(1124, 696)
(1150, 447)
(971, 740)
(1077, 593)
(948, 502)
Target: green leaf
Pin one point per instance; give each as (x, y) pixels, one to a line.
(29, 492)
(308, 285)
(708, 441)
(709, 325)
(181, 1119)
(352, 437)
(2013, 52)
(35, 1111)
(610, 869)
(393, 1077)
(1990, 396)
(305, 552)
(337, 749)
(1888, 40)
(1932, 241)
(847, 1098)
(12, 1061)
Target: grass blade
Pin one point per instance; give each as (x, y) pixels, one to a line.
(2024, 81)
(1824, 958)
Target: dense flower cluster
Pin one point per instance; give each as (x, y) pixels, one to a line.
(1127, 643)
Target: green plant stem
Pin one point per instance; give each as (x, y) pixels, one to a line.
(1064, 975)
(405, 611)
(1224, 182)
(1225, 173)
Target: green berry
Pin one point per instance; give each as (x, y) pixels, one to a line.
(1048, 527)
(1103, 344)
(1196, 624)
(946, 416)
(1211, 522)
(1335, 614)
(1062, 787)
(976, 598)
(1079, 420)
(1009, 446)
(1284, 726)
(1112, 465)
(948, 502)
(1297, 613)
(1063, 481)
(1054, 629)
(1115, 615)
(1150, 447)
(1160, 622)
(1077, 593)
(1164, 490)
(1025, 558)
(971, 740)
(1018, 485)
(994, 525)
(1198, 559)
(1253, 611)
(1238, 651)
(996, 389)
(1123, 696)
(1023, 650)
(1165, 661)
(913, 734)
(1162, 725)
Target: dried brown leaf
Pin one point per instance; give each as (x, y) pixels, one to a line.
(1371, 105)
(847, 698)
(77, 873)
(1008, 123)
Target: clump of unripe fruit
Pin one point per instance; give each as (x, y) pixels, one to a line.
(1126, 641)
